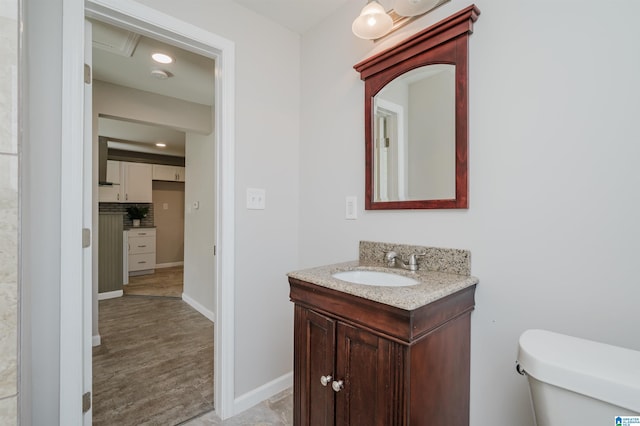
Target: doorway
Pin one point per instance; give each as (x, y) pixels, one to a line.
(146, 22)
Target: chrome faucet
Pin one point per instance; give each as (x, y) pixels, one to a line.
(394, 260)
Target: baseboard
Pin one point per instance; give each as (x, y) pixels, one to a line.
(168, 264)
(198, 307)
(264, 392)
(110, 295)
(143, 272)
(96, 341)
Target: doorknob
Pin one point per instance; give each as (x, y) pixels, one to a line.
(325, 380)
(337, 386)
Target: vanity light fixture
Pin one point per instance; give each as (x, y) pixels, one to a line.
(162, 58)
(161, 145)
(374, 22)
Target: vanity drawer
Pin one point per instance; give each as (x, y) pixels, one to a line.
(140, 245)
(142, 232)
(140, 262)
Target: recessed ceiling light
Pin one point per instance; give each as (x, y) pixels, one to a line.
(161, 145)
(162, 58)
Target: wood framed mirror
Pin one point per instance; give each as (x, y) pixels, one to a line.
(416, 119)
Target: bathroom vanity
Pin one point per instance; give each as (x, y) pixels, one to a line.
(380, 355)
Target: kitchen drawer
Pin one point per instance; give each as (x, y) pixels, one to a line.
(140, 262)
(138, 245)
(141, 232)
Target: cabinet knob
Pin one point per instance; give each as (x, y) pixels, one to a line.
(337, 386)
(325, 380)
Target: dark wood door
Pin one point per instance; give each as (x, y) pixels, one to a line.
(363, 365)
(314, 343)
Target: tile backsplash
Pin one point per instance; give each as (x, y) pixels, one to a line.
(122, 208)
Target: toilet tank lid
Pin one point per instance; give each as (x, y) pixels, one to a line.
(601, 371)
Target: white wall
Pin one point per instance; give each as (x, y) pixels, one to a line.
(199, 224)
(552, 224)
(267, 137)
(40, 214)
(118, 101)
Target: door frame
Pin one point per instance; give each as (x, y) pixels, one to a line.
(150, 22)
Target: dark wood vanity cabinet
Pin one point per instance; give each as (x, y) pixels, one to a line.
(359, 362)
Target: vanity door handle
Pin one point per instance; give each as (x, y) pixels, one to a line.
(337, 386)
(325, 380)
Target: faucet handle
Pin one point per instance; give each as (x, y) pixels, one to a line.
(413, 261)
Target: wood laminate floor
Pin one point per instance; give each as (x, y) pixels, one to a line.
(155, 362)
(167, 282)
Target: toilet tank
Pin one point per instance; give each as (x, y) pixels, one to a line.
(578, 381)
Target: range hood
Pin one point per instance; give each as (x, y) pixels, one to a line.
(102, 163)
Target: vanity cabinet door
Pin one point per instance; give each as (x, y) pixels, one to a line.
(344, 375)
(363, 365)
(314, 342)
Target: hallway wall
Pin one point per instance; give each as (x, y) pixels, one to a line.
(168, 207)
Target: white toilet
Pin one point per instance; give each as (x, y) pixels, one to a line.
(579, 382)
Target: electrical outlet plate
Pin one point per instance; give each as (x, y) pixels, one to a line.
(256, 198)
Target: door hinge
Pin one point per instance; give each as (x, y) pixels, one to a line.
(86, 237)
(87, 74)
(86, 402)
(215, 250)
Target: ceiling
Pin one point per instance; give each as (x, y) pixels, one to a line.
(124, 58)
(297, 15)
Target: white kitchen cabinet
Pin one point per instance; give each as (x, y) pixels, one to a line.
(131, 183)
(168, 173)
(137, 178)
(181, 173)
(112, 193)
(142, 251)
(113, 172)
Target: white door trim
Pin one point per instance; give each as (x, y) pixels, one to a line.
(87, 222)
(150, 22)
(71, 216)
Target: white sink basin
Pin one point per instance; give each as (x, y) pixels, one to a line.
(377, 278)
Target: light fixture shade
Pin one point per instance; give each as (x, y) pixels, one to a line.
(373, 22)
(413, 7)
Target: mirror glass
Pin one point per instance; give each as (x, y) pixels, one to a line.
(414, 136)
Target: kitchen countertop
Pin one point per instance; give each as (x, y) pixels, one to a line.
(433, 285)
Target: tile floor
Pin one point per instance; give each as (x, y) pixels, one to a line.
(276, 411)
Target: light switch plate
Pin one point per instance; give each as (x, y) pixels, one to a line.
(256, 198)
(351, 207)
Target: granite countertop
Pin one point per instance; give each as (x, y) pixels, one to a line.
(433, 285)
